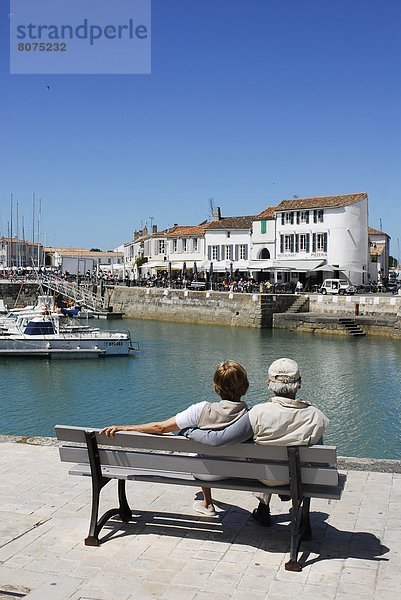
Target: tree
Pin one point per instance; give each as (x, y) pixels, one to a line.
(95, 250)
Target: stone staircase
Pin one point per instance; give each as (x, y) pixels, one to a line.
(300, 304)
(351, 327)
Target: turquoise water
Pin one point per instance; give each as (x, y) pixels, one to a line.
(356, 382)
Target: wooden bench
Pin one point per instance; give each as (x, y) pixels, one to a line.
(172, 459)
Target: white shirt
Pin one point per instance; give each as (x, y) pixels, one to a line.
(190, 416)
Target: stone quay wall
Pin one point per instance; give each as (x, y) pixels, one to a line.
(376, 315)
(373, 306)
(208, 308)
(17, 293)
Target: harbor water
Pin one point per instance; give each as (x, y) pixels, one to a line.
(355, 382)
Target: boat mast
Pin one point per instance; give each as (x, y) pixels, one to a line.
(11, 230)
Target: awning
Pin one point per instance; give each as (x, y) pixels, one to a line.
(301, 266)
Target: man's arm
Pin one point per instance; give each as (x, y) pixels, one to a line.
(156, 428)
(240, 431)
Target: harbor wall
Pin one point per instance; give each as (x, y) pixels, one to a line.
(187, 306)
(17, 294)
(325, 324)
(356, 305)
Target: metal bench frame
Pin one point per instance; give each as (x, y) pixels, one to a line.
(301, 463)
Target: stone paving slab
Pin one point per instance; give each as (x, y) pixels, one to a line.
(168, 551)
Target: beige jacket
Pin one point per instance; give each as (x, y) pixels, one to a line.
(286, 422)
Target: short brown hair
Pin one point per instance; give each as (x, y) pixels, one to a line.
(230, 380)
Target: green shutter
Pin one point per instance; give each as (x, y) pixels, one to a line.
(263, 226)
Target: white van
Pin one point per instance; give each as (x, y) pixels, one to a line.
(337, 286)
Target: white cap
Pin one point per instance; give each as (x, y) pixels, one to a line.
(284, 370)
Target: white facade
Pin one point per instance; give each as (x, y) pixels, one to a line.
(301, 238)
(313, 233)
(379, 253)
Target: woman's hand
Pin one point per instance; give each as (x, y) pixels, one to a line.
(110, 430)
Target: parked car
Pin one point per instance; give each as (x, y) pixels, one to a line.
(337, 286)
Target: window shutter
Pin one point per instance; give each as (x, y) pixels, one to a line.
(325, 242)
(292, 218)
(217, 252)
(282, 219)
(222, 248)
(292, 244)
(298, 217)
(263, 226)
(281, 244)
(236, 252)
(209, 253)
(307, 216)
(308, 242)
(315, 216)
(297, 241)
(246, 252)
(314, 242)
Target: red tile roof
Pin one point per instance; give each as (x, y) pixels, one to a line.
(267, 214)
(372, 231)
(185, 230)
(232, 223)
(321, 202)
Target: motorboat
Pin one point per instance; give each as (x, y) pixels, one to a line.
(43, 335)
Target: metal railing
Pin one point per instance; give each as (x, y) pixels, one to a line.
(74, 292)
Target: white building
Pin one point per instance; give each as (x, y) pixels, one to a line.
(227, 242)
(80, 261)
(379, 253)
(313, 238)
(304, 239)
(15, 253)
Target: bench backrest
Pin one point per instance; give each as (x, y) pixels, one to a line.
(170, 453)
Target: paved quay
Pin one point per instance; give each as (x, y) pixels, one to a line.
(170, 552)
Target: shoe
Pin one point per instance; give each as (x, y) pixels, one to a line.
(262, 515)
(284, 497)
(204, 510)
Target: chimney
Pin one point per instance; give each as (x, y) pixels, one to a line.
(154, 228)
(216, 216)
(136, 235)
(145, 230)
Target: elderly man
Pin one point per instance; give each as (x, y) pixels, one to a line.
(284, 421)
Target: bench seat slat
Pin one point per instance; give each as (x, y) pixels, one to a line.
(316, 454)
(201, 465)
(249, 485)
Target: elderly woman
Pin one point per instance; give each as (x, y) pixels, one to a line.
(284, 421)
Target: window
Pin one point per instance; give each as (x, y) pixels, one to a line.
(185, 245)
(318, 216)
(263, 226)
(302, 216)
(243, 251)
(289, 218)
(175, 245)
(195, 245)
(319, 242)
(229, 252)
(303, 242)
(215, 253)
(320, 246)
(161, 247)
(286, 243)
(265, 254)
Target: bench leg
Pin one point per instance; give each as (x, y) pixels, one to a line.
(296, 512)
(93, 535)
(124, 509)
(305, 525)
(300, 530)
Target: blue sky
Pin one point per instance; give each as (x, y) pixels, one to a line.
(249, 102)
